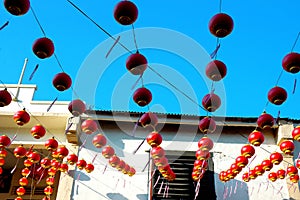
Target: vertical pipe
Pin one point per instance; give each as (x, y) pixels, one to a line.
(20, 79)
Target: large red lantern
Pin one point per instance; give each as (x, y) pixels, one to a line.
(89, 167)
(235, 168)
(157, 152)
(287, 147)
(21, 117)
(294, 178)
(125, 12)
(34, 157)
(114, 161)
(81, 164)
(211, 102)
(43, 48)
(4, 141)
(205, 144)
(259, 170)
(281, 173)
(142, 96)
(248, 151)
(45, 162)
(267, 165)
(20, 191)
(77, 107)
(272, 176)
(62, 151)
(291, 170)
(148, 119)
(241, 161)
(5, 98)
(136, 63)
(265, 121)
(38, 131)
(277, 95)
(48, 190)
(202, 155)
(99, 140)
(63, 167)
(51, 144)
(72, 159)
(276, 158)
(108, 152)
(23, 181)
(256, 138)
(296, 133)
(216, 70)
(20, 152)
(62, 81)
(154, 139)
(17, 7)
(252, 174)
(291, 63)
(89, 126)
(220, 25)
(207, 125)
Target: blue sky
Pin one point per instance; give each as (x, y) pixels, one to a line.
(264, 32)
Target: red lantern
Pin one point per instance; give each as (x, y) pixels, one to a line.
(291, 170)
(211, 102)
(89, 168)
(23, 181)
(259, 170)
(121, 165)
(52, 171)
(298, 163)
(148, 119)
(205, 144)
(294, 178)
(157, 152)
(245, 177)
(50, 181)
(51, 144)
(81, 164)
(154, 139)
(125, 12)
(131, 171)
(18, 198)
(34, 157)
(55, 164)
(76, 107)
(207, 125)
(89, 126)
(287, 147)
(4, 141)
(46, 198)
(25, 172)
(248, 151)
(3, 152)
(220, 25)
(108, 152)
(62, 81)
(20, 151)
(265, 121)
(256, 138)
(235, 168)
(114, 161)
(276, 158)
(2, 161)
(222, 176)
(163, 161)
(43, 48)
(216, 70)
(142, 96)
(99, 141)
(63, 167)
(38, 131)
(62, 151)
(267, 165)
(200, 164)
(230, 174)
(27, 163)
(5, 98)
(45, 162)
(20, 191)
(202, 155)
(136, 63)
(17, 7)
(296, 133)
(252, 174)
(241, 161)
(126, 169)
(281, 173)
(48, 190)
(21, 117)
(272, 176)
(291, 63)
(277, 95)
(72, 159)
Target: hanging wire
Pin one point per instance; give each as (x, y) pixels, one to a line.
(134, 38)
(37, 20)
(296, 40)
(220, 6)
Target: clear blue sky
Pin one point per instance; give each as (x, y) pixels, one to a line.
(264, 32)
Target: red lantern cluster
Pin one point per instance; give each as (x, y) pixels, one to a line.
(291, 171)
(287, 147)
(38, 131)
(265, 121)
(89, 126)
(211, 102)
(216, 70)
(125, 12)
(277, 95)
(221, 25)
(5, 98)
(142, 96)
(43, 48)
(207, 125)
(256, 138)
(21, 117)
(291, 62)
(17, 7)
(136, 64)
(77, 107)
(62, 81)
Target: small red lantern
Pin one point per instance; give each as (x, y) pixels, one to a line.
(298, 163)
(154, 139)
(163, 161)
(63, 167)
(20, 191)
(21, 117)
(89, 126)
(121, 165)
(200, 164)
(4, 141)
(38, 131)
(207, 125)
(55, 164)
(48, 190)
(281, 173)
(241, 161)
(216, 70)
(25, 172)
(222, 176)
(256, 138)
(99, 140)
(62, 151)
(45, 162)
(62, 81)
(265, 121)
(248, 151)
(108, 152)
(294, 178)
(267, 165)
(235, 168)
(126, 169)
(72, 159)
(245, 177)
(3, 152)
(230, 174)
(136, 63)
(81, 164)
(50, 181)
(34, 157)
(287, 147)
(23, 181)
(27, 163)
(157, 152)
(211, 102)
(131, 171)
(277, 95)
(2, 161)
(20, 151)
(205, 144)
(51, 171)
(202, 155)
(43, 48)
(18, 198)
(17, 7)
(46, 198)
(220, 25)
(125, 12)
(142, 96)
(76, 107)
(51, 144)
(272, 176)
(114, 161)
(291, 170)
(296, 133)
(148, 119)
(5, 98)
(259, 170)
(291, 62)
(276, 158)
(89, 168)
(252, 174)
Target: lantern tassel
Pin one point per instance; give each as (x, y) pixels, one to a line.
(214, 53)
(230, 191)
(280, 190)
(152, 176)
(104, 169)
(259, 188)
(4, 25)
(268, 185)
(117, 184)
(156, 181)
(252, 191)
(162, 183)
(110, 50)
(68, 128)
(41, 177)
(134, 129)
(94, 158)
(124, 184)
(146, 165)
(50, 106)
(235, 188)
(139, 146)
(33, 72)
(295, 85)
(197, 189)
(165, 190)
(15, 167)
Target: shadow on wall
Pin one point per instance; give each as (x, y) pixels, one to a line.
(78, 175)
(233, 190)
(116, 196)
(142, 196)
